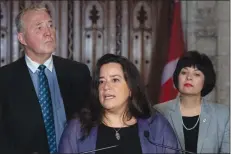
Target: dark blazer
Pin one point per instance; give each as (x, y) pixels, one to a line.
(21, 123)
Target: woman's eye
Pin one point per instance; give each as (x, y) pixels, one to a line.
(100, 82)
(183, 72)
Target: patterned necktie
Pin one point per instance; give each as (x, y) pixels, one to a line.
(46, 107)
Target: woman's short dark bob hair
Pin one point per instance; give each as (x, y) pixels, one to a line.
(202, 63)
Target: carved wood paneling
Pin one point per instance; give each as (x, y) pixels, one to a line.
(88, 29)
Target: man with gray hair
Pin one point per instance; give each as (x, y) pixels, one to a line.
(40, 91)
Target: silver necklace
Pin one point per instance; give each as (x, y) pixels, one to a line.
(193, 126)
(117, 134)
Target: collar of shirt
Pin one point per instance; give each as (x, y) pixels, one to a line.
(33, 66)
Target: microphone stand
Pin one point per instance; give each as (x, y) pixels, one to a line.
(99, 149)
(146, 134)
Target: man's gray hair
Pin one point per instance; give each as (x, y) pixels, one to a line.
(32, 7)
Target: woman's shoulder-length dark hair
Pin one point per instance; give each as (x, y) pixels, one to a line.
(201, 62)
(138, 105)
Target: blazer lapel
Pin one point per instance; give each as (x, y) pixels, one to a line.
(89, 144)
(205, 119)
(177, 122)
(144, 126)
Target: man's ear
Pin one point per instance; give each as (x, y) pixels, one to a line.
(21, 38)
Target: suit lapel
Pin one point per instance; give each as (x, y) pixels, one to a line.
(59, 73)
(27, 98)
(177, 122)
(28, 87)
(205, 119)
(59, 68)
(27, 82)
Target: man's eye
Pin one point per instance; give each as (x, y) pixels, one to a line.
(115, 80)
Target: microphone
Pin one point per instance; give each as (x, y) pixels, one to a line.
(109, 147)
(146, 134)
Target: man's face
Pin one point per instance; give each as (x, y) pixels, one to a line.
(38, 33)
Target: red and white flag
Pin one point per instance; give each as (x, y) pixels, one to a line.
(176, 49)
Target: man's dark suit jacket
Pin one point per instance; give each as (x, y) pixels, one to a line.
(22, 128)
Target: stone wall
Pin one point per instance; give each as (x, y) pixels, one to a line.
(206, 29)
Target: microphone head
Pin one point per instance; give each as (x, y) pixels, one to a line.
(146, 133)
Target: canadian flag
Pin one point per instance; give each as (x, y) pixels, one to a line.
(176, 49)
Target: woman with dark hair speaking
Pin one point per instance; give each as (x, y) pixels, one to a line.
(118, 118)
(201, 126)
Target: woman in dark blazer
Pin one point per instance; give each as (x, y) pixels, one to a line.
(201, 126)
(118, 119)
